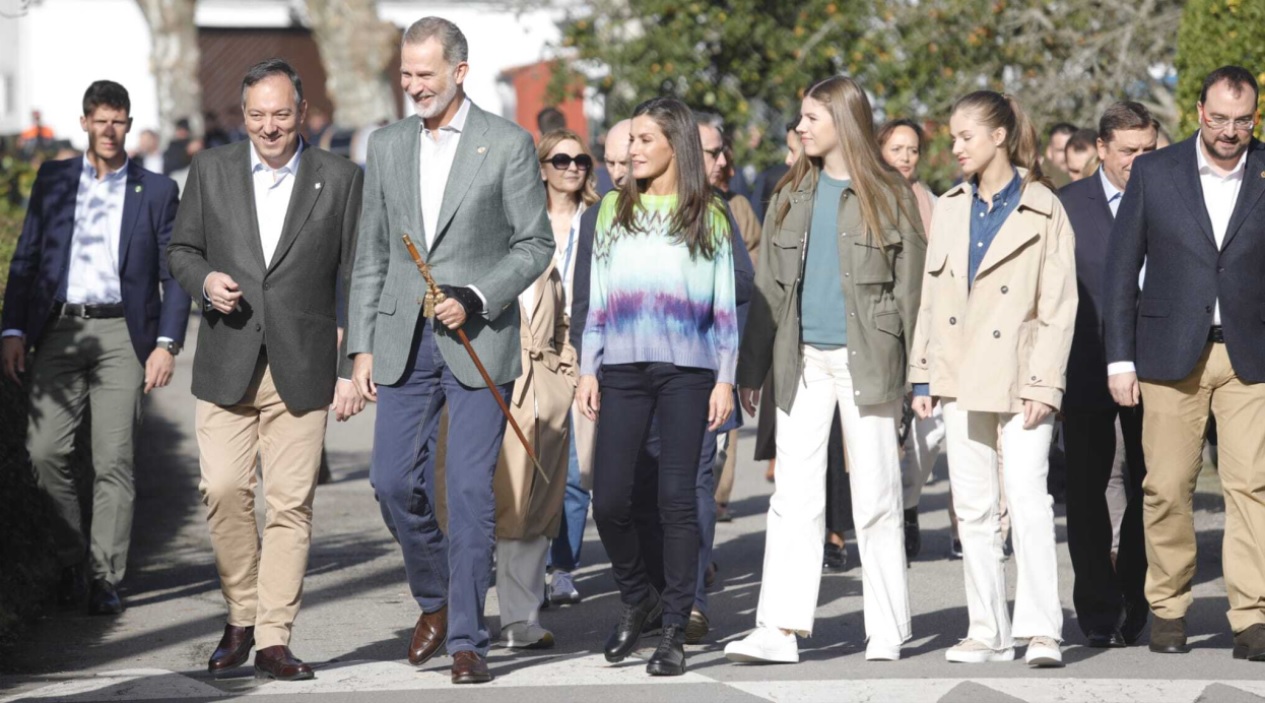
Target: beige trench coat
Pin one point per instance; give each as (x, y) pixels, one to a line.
(527, 506)
(1007, 339)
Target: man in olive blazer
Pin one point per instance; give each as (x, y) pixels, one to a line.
(465, 186)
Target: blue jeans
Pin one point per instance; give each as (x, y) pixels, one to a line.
(564, 553)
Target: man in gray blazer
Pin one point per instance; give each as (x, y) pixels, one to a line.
(465, 186)
(263, 229)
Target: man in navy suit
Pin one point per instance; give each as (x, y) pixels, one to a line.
(1193, 342)
(1109, 598)
(89, 290)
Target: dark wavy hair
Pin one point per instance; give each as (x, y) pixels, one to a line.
(690, 221)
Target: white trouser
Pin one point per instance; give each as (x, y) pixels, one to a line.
(520, 578)
(797, 510)
(926, 439)
(972, 445)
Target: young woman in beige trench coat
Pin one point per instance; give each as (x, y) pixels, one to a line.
(994, 331)
(529, 509)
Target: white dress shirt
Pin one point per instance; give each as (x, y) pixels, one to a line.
(93, 276)
(273, 188)
(1221, 193)
(1113, 193)
(439, 148)
(565, 254)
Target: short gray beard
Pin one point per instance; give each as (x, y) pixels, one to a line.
(441, 101)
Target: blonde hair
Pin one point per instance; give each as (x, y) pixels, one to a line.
(872, 177)
(997, 111)
(551, 139)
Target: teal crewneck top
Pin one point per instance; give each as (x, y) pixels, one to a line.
(824, 320)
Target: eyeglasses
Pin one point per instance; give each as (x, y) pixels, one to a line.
(714, 153)
(1241, 124)
(562, 162)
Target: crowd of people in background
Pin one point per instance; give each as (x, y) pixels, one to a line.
(562, 326)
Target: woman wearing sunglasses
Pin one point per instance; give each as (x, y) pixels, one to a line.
(529, 508)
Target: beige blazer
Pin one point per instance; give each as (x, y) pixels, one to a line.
(1008, 338)
(527, 506)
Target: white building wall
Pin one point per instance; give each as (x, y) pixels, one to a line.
(58, 48)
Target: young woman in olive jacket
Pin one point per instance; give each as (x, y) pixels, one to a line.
(837, 293)
(992, 342)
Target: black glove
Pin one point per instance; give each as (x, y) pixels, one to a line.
(466, 296)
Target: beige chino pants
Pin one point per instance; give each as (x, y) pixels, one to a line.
(262, 580)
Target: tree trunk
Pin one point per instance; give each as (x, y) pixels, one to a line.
(356, 48)
(174, 63)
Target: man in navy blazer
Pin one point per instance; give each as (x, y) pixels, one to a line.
(89, 290)
(1109, 596)
(1193, 342)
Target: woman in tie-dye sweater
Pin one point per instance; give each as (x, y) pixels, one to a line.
(662, 333)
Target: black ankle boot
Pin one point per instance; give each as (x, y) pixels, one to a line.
(632, 622)
(669, 657)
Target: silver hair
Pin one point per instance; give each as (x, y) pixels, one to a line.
(456, 50)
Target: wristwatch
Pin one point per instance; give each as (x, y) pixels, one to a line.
(172, 348)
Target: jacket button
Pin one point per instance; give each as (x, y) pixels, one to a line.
(922, 361)
(1034, 378)
(1004, 290)
(258, 327)
(953, 320)
(267, 285)
(856, 393)
(1207, 308)
(846, 274)
(852, 314)
(996, 334)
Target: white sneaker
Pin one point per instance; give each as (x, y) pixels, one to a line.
(875, 652)
(526, 635)
(1044, 652)
(767, 645)
(562, 589)
(976, 652)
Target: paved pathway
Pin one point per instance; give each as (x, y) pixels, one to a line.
(357, 615)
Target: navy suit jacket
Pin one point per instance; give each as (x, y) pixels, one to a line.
(744, 284)
(153, 303)
(1163, 218)
(1086, 204)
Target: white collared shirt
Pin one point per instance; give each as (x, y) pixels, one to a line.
(272, 197)
(1113, 193)
(93, 275)
(439, 148)
(1221, 193)
(565, 254)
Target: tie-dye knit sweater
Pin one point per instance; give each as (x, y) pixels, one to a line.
(649, 300)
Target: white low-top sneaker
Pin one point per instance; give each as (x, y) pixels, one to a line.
(876, 652)
(1044, 652)
(562, 589)
(767, 645)
(526, 635)
(976, 652)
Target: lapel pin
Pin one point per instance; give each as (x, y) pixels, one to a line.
(1262, 174)
(483, 149)
(318, 185)
(139, 189)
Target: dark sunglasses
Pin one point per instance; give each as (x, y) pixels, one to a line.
(563, 162)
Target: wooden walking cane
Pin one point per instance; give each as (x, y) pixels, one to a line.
(439, 297)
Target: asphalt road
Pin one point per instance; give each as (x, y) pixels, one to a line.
(357, 614)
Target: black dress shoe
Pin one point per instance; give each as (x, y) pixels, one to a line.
(1135, 619)
(632, 621)
(834, 559)
(279, 663)
(470, 667)
(104, 599)
(232, 651)
(1105, 637)
(72, 588)
(669, 657)
(1250, 643)
(697, 628)
(913, 535)
(1169, 636)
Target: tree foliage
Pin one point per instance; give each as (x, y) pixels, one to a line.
(750, 60)
(1215, 33)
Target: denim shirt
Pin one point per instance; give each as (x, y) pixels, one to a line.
(986, 222)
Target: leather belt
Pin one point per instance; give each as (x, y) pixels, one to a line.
(88, 312)
(1215, 335)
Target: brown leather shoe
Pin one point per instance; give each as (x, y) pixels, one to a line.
(468, 667)
(277, 662)
(429, 633)
(233, 650)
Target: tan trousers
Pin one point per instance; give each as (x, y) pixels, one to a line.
(1175, 417)
(262, 584)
